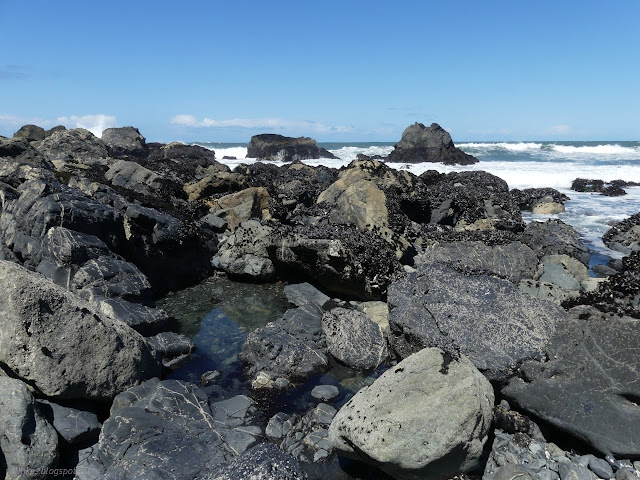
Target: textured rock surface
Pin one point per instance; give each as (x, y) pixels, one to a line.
(513, 261)
(32, 133)
(60, 344)
(353, 339)
(124, 142)
(485, 318)
(239, 207)
(168, 430)
(540, 200)
(590, 386)
(75, 425)
(270, 146)
(300, 294)
(428, 144)
(28, 443)
(554, 237)
(412, 432)
(624, 236)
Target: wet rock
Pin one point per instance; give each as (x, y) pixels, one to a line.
(513, 261)
(75, 425)
(486, 318)
(167, 427)
(610, 189)
(270, 146)
(411, 432)
(325, 392)
(353, 339)
(544, 201)
(170, 346)
(209, 377)
(125, 142)
(624, 236)
(60, 344)
(28, 442)
(31, 133)
(428, 144)
(300, 294)
(554, 237)
(588, 387)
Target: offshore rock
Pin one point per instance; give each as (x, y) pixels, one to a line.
(125, 142)
(168, 429)
(589, 387)
(411, 432)
(428, 144)
(485, 318)
(28, 442)
(61, 344)
(546, 201)
(270, 146)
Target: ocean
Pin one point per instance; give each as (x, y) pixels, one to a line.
(521, 165)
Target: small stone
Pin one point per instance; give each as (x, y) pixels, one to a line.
(282, 383)
(600, 467)
(320, 455)
(209, 377)
(323, 414)
(325, 392)
(626, 474)
(275, 427)
(573, 471)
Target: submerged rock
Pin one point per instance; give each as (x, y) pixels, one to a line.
(411, 432)
(428, 144)
(270, 146)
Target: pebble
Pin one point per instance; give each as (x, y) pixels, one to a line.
(600, 467)
(209, 377)
(325, 393)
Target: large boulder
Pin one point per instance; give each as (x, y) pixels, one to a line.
(624, 236)
(271, 146)
(354, 339)
(590, 385)
(78, 148)
(169, 429)
(426, 418)
(554, 237)
(543, 201)
(31, 133)
(61, 345)
(28, 442)
(428, 144)
(125, 142)
(133, 176)
(23, 152)
(487, 319)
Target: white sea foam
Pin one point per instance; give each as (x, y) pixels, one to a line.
(598, 150)
(512, 147)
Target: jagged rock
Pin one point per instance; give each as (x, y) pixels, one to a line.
(125, 142)
(486, 318)
(300, 294)
(292, 347)
(75, 425)
(545, 201)
(78, 147)
(241, 206)
(133, 176)
(170, 430)
(262, 462)
(213, 183)
(172, 347)
(624, 236)
(353, 339)
(23, 152)
(589, 387)
(555, 237)
(52, 130)
(513, 261)
(269, 146)
(61, 344)
(31, 133)
(28, 442)
(411, 432)
(377, 311)
(609, 189)
(428, 144)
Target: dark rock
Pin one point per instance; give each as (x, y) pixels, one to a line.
(61, 344)
(624, 236)
(270, 146)
(217, 224)
(589, 386)
(428, 144)
(485, 318)
(353, 339)
(23, 152)
(325, 393)
(125, 142)
(600, 467)
(511, 421)
(209, 377)
(133, 176)
(28, 442)
(170, 345)
(569, 470)
(513, 261)
(57, 128)
(540, 200)
(77, 147)
(262, 462)
(292, 346)
(75, 425)
(300, 294)
(555, 237)
(31, 133)
(170, 429)
(610, 189)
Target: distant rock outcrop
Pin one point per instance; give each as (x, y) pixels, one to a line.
(270, 146)
(428, 144)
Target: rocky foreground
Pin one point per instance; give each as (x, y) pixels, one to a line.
(498, 355)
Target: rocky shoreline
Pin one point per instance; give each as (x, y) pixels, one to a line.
(490, 350)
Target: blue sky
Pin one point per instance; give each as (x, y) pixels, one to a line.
(336, 71)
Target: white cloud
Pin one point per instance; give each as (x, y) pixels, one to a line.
(266, 123)
(94, 123)
(558, 130)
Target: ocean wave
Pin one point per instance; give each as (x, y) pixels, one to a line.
(614, 149)
(511, 147)
(350, 153)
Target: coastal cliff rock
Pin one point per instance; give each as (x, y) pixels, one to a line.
(428, 144)
(271, 146)
(411, 432)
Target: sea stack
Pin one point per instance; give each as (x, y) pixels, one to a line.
(270, 146)
(428, 144)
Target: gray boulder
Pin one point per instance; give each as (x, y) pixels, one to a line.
(488, 319)
(353, 339)
(590, 385)
(61, 345)
(28, 442)
(74, 147)
(545, 201)
(411, 432)
(270, 146)
(23, 152)
(428, 144)
(133, 176)
(125, 142)
(513, 261)
(52, 130)
(168, 429)
(555, 237)
(31, 133)
(75, 425)
(300, 294)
